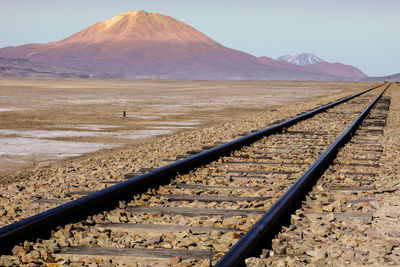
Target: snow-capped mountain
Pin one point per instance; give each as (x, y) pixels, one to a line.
(301, 59)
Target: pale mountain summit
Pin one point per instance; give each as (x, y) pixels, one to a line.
(137, 26)
(301, 59)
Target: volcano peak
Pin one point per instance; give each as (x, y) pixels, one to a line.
(139, 25)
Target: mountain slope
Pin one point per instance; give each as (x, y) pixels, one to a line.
(14, 67)
(141, 44)
(300, 59)
(393, 78)
(275, 63)
(337, 69)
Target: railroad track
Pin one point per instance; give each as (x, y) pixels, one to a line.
(334, 225)
(197, 215)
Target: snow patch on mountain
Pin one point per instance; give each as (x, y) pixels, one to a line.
(301, 59)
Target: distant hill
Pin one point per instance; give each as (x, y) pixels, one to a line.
(393, 78)
(14, 67)
(300, 59)
(338, 70)
(146, 45)
(313, 63)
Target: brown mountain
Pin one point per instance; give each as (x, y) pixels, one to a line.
(139, 44)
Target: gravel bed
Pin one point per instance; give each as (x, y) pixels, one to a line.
(76, 177)
(352, 216)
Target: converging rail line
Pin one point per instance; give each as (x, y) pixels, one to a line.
(214, 207)
(341, 205)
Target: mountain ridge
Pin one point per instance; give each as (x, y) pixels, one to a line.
(15, 67)
(392, 78)
(140, 44)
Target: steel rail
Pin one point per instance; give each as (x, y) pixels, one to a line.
(39, 225)
(271, 219)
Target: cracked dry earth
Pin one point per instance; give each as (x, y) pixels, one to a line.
(141, 223)
(352, 215)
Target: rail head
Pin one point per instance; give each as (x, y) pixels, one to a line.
(39, 224)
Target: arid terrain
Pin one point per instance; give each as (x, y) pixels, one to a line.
(30, 192)
(43, 121)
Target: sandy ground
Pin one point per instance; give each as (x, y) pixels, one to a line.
(48, 120)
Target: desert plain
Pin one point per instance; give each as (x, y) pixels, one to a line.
(46, 121)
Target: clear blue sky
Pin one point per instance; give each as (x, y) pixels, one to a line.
(363, 33)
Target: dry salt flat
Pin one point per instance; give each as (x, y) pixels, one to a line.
(77, 117)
